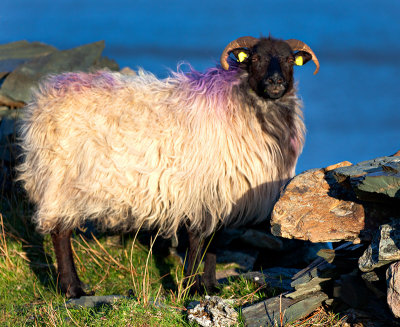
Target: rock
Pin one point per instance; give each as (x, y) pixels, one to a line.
(373, 178)
(6, 101)
(276, 277)
(281, 272)
(223, 275)
(24, 50)
(245, 259)
(16, 53)
(104, 62)
(383, 249)
(311, 279)
(303, 290)
(303, 254)
(393, 288)
(94, 301)
(128, 71)
(338, 165)
(280, 277)
(8, 65)
(261, 240)
(351, 290)
(213, 311)
(18, 84)
(270, 311)
(360, 318)
(8, 148)
(307, 210)
(319, 206)
(375, 283)
(319, 275)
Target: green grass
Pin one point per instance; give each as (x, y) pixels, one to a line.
(28, 283)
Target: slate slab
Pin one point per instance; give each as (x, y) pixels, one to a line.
(19, 83)
(94, 301)
(269, 312)
(384, 248)
(380, 176)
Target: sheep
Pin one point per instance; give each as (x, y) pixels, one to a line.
(204, 150)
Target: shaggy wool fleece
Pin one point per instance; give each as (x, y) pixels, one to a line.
(136, 151)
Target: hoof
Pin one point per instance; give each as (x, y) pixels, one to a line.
(212, 289)
(77, 292)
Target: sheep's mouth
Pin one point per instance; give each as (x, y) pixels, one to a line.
(273, 92)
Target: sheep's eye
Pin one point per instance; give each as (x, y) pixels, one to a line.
(254, 58)
(290, 60)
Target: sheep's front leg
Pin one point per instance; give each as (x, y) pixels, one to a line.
(68, 279)
(208, 278)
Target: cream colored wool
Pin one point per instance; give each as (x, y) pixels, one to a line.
(146, 152)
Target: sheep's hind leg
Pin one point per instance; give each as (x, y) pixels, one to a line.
(68, 279)
(208, 278)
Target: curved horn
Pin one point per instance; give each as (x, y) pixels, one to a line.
(242, 42)
(297, 45)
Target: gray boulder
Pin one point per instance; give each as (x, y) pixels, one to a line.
(16, 53)
(18, 84)
(280, 308)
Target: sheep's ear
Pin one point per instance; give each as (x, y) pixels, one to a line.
(302, 57)
(241, 54)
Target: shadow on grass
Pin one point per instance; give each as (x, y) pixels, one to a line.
(18, 227)
(162, 260)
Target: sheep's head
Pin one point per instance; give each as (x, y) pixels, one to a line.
(269, 62)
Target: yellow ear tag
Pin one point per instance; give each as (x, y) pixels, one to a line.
(242, 56)
(299, 61)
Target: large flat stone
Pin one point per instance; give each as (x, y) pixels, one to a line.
(24, 50)
(18, 85)
(319, 205)
(270, 311)
(94, 301)
(307, 210)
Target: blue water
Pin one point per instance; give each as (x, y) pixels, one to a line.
(351, 108)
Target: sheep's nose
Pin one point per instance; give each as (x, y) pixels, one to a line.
(275, 79)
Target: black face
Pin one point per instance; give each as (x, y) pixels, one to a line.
(270, 67)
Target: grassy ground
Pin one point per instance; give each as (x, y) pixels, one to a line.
(125, 265)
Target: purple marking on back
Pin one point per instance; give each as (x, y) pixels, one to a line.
(215, 84)
(80, 81)
(213, 80)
